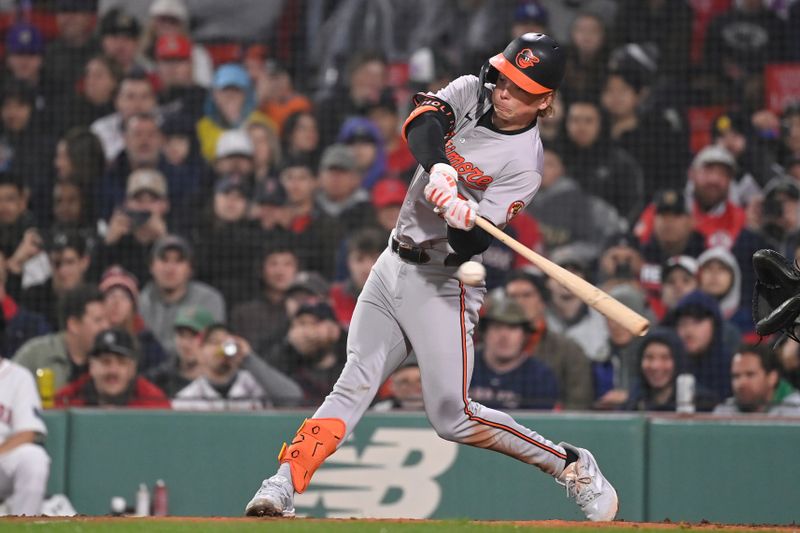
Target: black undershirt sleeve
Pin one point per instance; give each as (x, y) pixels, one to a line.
(425, 135)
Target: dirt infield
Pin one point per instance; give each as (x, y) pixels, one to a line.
(201, 524)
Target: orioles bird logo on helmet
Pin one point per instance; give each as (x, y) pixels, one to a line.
(525, 58)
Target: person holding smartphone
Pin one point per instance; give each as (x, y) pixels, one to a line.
(136, 224)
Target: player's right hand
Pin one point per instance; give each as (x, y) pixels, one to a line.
(442, 185)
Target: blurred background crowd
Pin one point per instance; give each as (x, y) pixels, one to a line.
(193, 192)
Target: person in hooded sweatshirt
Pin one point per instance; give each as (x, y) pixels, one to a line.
(661, 358)
(698, 322)
(365, 141)
(719, 276)
(599, 167)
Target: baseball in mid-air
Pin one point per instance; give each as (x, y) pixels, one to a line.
(471, 273)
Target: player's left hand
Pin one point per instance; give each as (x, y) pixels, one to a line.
(461, 214)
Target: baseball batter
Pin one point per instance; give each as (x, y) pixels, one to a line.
(479, 154)
(24, 465)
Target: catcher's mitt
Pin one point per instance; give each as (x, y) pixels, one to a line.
(776, 299)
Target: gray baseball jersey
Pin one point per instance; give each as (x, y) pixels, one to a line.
(500, 172)
(424, 308)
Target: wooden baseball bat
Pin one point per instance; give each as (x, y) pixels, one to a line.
(591, 295)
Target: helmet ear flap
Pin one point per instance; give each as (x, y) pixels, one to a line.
(488, 74)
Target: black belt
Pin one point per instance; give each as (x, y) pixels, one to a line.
(415, 254)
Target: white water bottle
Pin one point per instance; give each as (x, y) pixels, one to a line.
(143, 500)
(684, 395)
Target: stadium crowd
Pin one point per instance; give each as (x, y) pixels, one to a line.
(187, 224)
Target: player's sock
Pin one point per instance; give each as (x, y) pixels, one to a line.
(285, 470)
(571, 457)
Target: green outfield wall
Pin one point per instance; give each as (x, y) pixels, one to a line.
(735, 471)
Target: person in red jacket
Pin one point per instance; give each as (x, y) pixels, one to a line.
(112, 380)
(363, 249)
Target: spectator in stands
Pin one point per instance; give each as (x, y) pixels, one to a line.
(20, 324)
(264, 317)
(405, 385)
(234, 156)
(620, 261)
(136, 96)
(119, 39)
(316, 234)
(387, 199)
(313, 352)
(529, 17)
(673, 229)
(734, 132)
(277, 97)
(364, 139)
(308, 287)
(505, 375)
(81, 317)
(400, 163)
(789, 148)
(178, 94)
(600, 168)
(15, 222)
(615, 372)
(267, 157)
(178, 371)
(171, 18)
(340, 195)
(69, 262)
(227, 242)
(229, 379)
(587, 56)
(657, 145)
(678, 278)
(661, 359)
(780, 212)
(366, 80)
(112, 380)
(143, 143)
(26, 149)
(363, 249)
(788, 353)
(67, 55)
(757, 385)
(564, 357)
(300, 137)
(136, 224)
(95, 99)
(699, 324)
(230, 105)
(120, 291)
(667, 26)
(568, 315)
(172, 287)
(24, 61)
(719, 276)
(567, 215)
(24, 463)
(739, 43)
(79, 159)
(70, 210)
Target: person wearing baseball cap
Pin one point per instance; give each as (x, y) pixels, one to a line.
(172, 287)
(120, 291)
(119, 39)
(25, 52)
(387, 197)
(505, 375)
(673, 229)
(172, 18)
(112, 380)
(234, 155)
(178, 94)
(231, 104)
(678, 278)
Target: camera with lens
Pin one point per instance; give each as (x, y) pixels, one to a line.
(229, 348)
